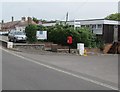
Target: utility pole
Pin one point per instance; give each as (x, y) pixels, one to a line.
(66, 18)
(2, 25)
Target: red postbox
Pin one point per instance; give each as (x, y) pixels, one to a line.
(69, 39)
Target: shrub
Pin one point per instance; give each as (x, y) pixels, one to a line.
(58, 34)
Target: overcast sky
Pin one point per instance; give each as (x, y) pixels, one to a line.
(58, 10)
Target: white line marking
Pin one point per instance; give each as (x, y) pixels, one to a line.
(59, 70)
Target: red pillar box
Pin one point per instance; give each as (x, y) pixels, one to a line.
(69, 39)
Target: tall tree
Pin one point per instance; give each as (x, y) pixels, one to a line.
(115, 16)
(35, 20)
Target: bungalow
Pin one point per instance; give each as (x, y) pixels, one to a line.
(107, 29)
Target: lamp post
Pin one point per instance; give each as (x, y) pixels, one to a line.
(2, 25)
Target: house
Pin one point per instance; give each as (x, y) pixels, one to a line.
(17, 25)
(108, 30)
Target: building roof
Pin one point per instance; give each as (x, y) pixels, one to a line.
(13, 24)
(95, 21)
(10, 24)
(25, 23)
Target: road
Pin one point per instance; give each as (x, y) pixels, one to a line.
(22, 73)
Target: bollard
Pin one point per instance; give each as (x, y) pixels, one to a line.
(9, 44)
(80, 47)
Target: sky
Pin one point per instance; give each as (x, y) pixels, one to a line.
(57, 10)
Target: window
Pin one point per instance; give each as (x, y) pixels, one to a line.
(82, 25)
(93, 26)
(77, 27)
(99, 26)
(88, 26)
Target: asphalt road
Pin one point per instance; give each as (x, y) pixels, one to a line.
(20, 73)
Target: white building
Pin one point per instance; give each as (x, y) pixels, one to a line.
(107, 29)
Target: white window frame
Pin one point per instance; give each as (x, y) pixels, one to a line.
(94, 26)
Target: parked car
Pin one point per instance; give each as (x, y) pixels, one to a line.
(17, 36)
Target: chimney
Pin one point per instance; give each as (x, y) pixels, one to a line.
(12, 18)
(29, 20)
(23, 19)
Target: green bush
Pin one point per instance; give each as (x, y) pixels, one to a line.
(115, 16)
(87, 37)
(100, 43)
(30, 31)
(58, 34)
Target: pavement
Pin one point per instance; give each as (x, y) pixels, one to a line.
(31, 71)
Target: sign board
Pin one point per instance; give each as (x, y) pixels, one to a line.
(41, 35)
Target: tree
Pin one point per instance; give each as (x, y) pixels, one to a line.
(115, 16)
(30, 31)
(35, 20)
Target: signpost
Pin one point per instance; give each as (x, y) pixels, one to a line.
(69, 41)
